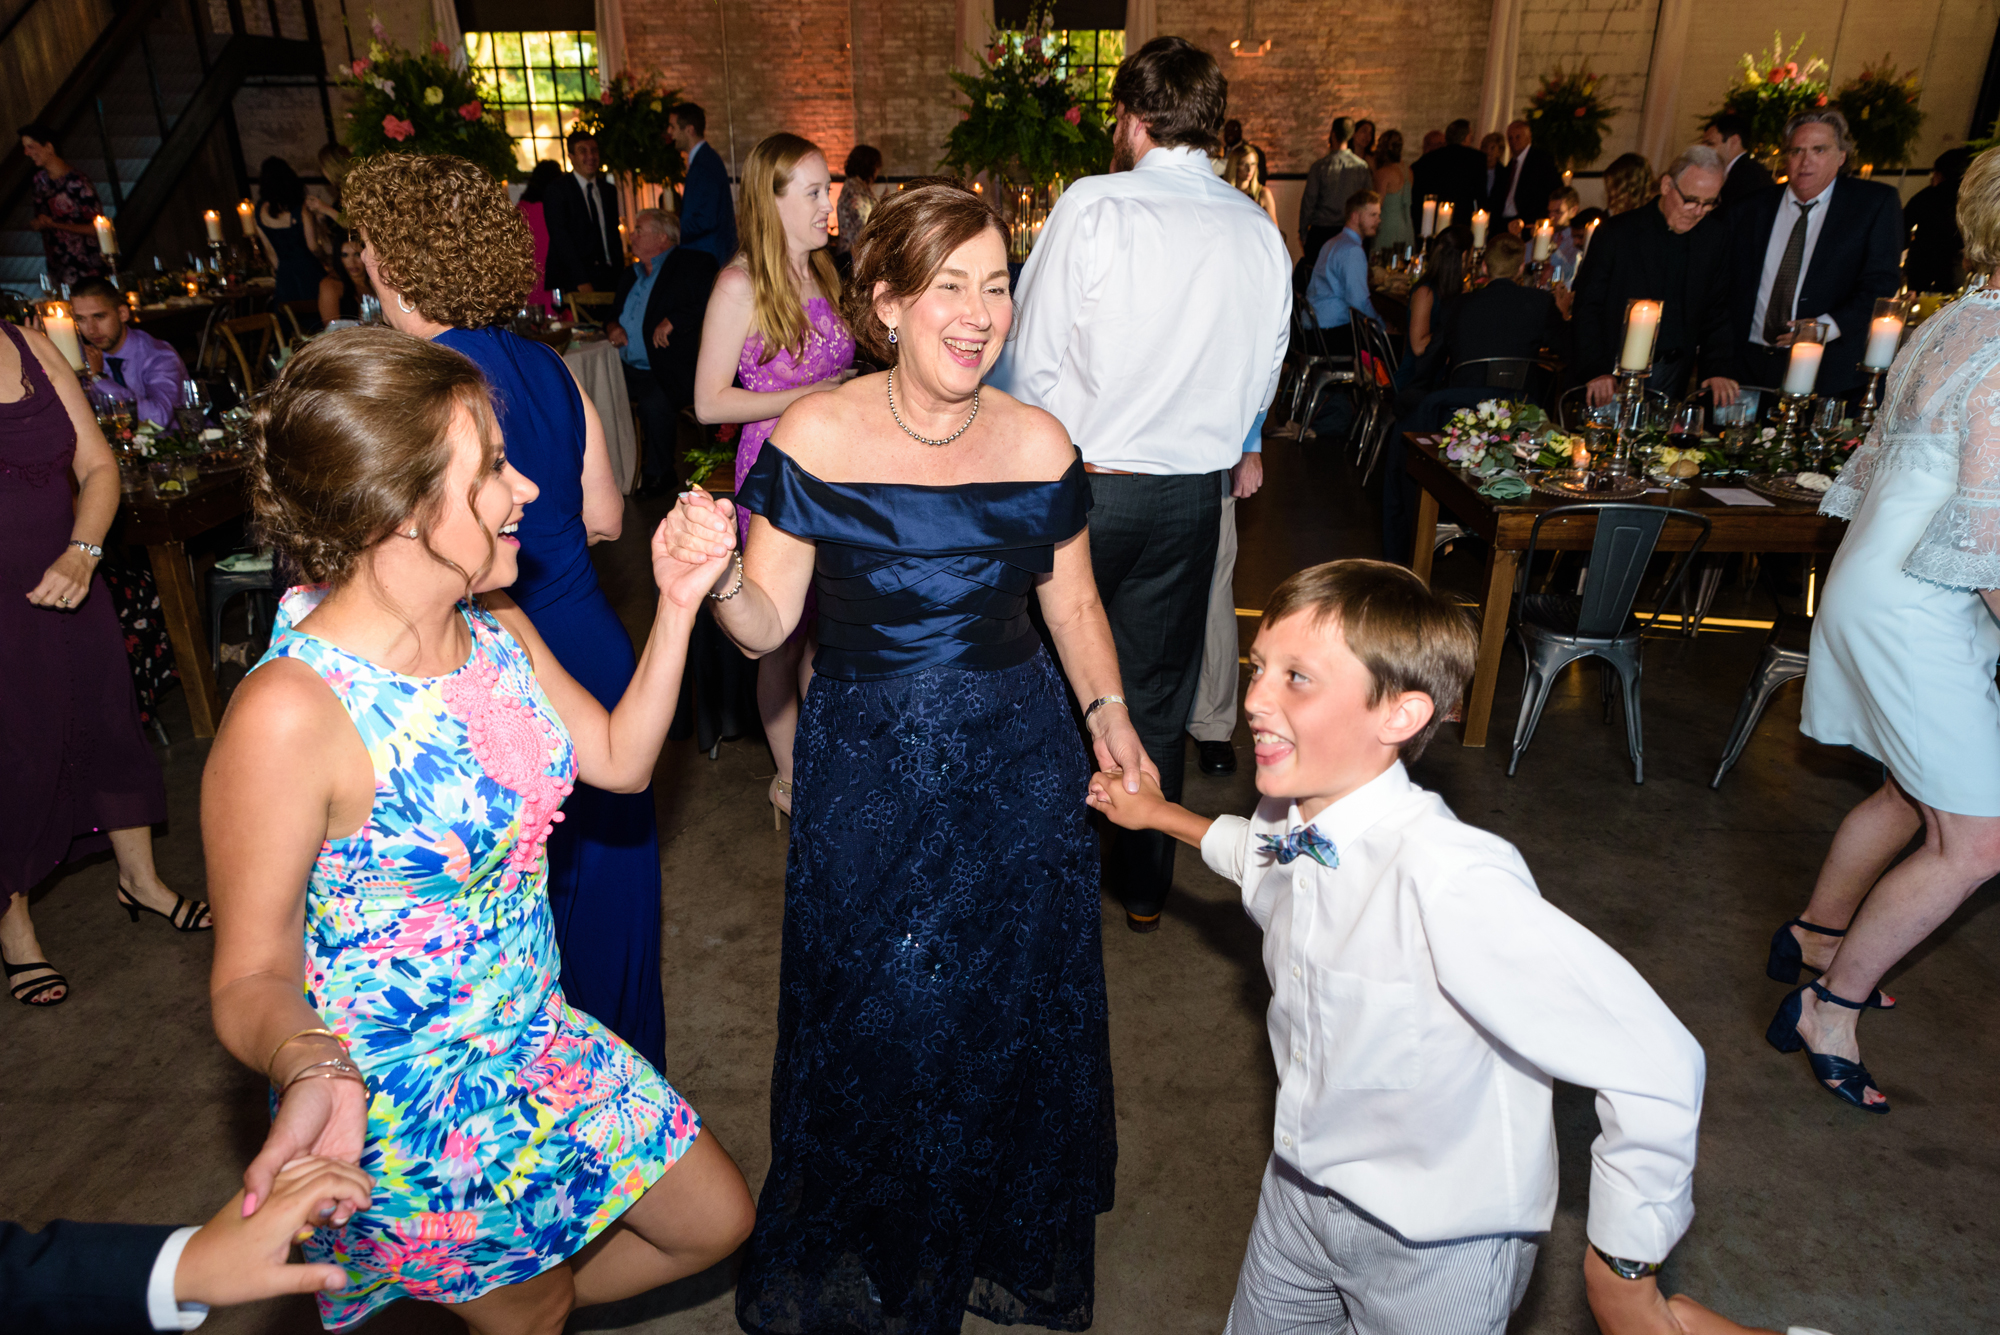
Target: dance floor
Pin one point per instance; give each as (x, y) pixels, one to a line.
(120, 1104)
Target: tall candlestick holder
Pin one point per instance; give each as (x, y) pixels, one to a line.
(1631, 399)
(1871, 398)
(1885, 335)
(1793, 409)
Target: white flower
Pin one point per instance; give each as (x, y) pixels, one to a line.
(213, 433)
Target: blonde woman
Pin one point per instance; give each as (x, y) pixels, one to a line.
(774, 324)
(1629, 182)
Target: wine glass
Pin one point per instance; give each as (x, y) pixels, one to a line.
(1828, 416)
(192, 414)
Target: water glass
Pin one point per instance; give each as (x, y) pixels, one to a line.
(192, 414)
(371, 309)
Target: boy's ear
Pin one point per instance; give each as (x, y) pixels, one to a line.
(1404, 717)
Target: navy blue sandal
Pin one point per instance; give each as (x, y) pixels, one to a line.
(1787, 959)
(1852, 1081)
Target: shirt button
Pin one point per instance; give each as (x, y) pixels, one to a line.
(1295, 971)
(1299, 1057)
(1286, 1141)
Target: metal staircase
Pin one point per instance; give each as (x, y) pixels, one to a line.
(139, 107)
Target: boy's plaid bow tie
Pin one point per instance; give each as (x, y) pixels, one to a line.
(1304, 841)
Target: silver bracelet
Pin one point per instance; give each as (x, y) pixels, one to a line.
(737, 557)
(1099, 703)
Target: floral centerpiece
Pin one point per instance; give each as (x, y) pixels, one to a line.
(418, 102)
(1770, 89)
(629, 121)
(1025, 124)
(1568, 118)
(1495, 434)
(1881, 110)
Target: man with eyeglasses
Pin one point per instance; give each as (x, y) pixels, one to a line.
(1674, 253)
(1821, 246)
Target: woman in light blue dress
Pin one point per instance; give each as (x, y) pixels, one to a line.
(1903, 657)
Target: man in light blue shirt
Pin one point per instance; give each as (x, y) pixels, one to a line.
(654, 233)
(1340, 276)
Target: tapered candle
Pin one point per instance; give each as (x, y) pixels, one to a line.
(246, 213)
(1444, 217)
(1430, 214)
(1588, 232)
(61, 330)
(213, 221)
(1479, 220)
(107, 240)
(1642, 325)
(1804, 368)
(1545, 239)
(1885, 332)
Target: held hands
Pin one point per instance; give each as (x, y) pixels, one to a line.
(239, 1258)
(1128, 800)
(326, 1119)
(65, 584)
(693, 546)
(1117, 746)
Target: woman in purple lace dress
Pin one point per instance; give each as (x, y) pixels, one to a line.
(774, 328)
(65, 207)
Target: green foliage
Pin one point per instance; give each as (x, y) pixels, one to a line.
(1770, 89)
(1568, 118)
(417, 102)
(629, 120)
(1025, 123)
(1881, 110)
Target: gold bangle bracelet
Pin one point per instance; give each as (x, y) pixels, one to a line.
(337, 1074)
(303, 1033)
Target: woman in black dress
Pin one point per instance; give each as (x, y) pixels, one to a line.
(286, 227)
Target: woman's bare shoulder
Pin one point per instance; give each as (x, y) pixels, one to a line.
(1033, 435)
(734, 281)
(282, 708)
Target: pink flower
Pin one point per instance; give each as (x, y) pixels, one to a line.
(360, 68)
(1820, 101)
(1033, 46)
(605, 97)
(375, 27)
(472, 111)
(1074, 115)
(1791, 69)
(440, 49)
(1777, 74)
(397, 130)
(994, 52)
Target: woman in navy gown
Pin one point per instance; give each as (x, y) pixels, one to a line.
(941, 1113)
(443, 240)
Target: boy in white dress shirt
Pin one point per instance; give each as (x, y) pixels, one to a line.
(1425, 1001)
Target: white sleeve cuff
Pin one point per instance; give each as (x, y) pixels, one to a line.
(1831, 326)
(161, 1308)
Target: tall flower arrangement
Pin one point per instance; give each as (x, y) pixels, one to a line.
(1882, 115)
(418, 102)
(1568, 118)
(629, 121)
(1025, 123)
(1770, 89)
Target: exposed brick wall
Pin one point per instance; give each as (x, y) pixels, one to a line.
(1611, 38)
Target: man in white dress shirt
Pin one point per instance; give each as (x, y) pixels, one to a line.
(1425, 1000)
(1152, 321)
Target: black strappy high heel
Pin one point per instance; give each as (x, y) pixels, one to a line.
(186, 916)
(30, 992)
(1787, 959)
(1852, 1081)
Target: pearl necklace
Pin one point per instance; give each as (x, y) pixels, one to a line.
(926, 439)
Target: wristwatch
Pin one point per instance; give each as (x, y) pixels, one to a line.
(1623, 1268)
(89, 548)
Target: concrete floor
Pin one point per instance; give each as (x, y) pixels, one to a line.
(120, 1104)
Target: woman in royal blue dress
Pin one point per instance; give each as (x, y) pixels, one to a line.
(450, 259)
(941, 1115)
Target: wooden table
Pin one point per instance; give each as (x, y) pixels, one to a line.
(1505, 526)
(164, 527)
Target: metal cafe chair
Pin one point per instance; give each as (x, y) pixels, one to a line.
(1530, 378)
(1326, 367)
(1375, 368)
(1556, 630)
(1572, 412)
(1784, 659)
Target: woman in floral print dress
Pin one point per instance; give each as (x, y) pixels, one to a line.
(374, 812)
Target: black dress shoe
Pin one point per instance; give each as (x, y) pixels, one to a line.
(1217, 758)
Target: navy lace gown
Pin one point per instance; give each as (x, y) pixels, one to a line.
(941, 1118)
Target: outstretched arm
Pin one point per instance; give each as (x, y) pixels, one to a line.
(1146, 808)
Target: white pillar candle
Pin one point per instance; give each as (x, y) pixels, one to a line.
(1588, 232)
(1545, 239)
(1642, 326)
(246, 214)
(1444, 217)
(1804, 368)
(1479, 220)
(61, 330)
(1430, 214)
(213, 221)
(107, 240)
(1884, 333)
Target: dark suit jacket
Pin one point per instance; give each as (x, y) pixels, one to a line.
(78, 1279)
(1629, 257)
(708, 214)
(1539, 179)
(680, 294)
(1746, 177)
(575, 256)
(1501, 319)
(1454, 173)
(1858, 258)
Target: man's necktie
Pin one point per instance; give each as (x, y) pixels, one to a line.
(1778, 314)
(590, 201)
(117, 365)
(1302, 842)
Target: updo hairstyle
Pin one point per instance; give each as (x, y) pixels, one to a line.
(445, 236)
(909, 237)
(353, 440)
(1979, 212)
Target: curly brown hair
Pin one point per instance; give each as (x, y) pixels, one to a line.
(444, 236)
